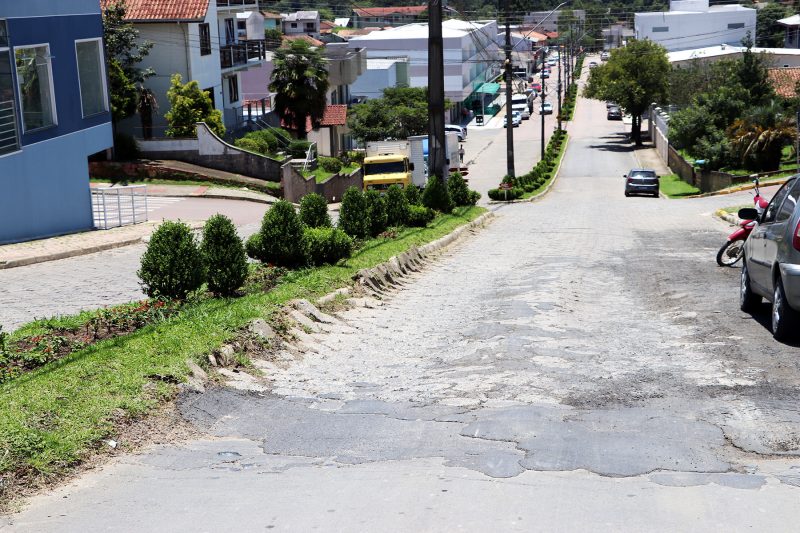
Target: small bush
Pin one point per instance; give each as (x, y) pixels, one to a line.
(474, 196)
(298, 149)
(172, 265)
(506, 195)
(223, 256)
(529, 187)
(419, 216)
(412, 195)
(436, 196)
(314, 211)
(264, 137)
(281, 236)
(330, 164)
(396, 206)
(457, 187)
(251, 145)
(254, 247)
(353, 215)
(326, 245)
(376, 212)
(355, 156)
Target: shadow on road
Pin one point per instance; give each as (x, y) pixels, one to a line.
(763, 316)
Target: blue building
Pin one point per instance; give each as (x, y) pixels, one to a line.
(54, 113)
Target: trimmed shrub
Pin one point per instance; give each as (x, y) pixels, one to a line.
(506, 195)
(326, 245)
(330, 164)
(172, 265)
(436, 196)
(376, 212)
(314, 211)
(355, 156)
(457, 187)
(254, 247)
(264, 137)
(529, 187)
(251, 145)
(396, 206)
(474, 196)
(281, 236)
(412, 195)
(419, 216)
(298, 149)
(223, 256)
(353, 215)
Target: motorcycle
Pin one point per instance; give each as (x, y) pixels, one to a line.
(732, 251)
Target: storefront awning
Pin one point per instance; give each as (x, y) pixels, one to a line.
(489, 88)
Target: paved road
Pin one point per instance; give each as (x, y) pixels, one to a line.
(105, 278)
(578, 365)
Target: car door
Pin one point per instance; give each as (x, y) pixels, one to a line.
(777, 233)
(760, 263)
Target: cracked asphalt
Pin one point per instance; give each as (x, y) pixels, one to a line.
(578, 365)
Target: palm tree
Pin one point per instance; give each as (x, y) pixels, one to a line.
(758, 137)
(300, 81)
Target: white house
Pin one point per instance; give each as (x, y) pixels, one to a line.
(380, 74)
(302, 23)
(695, 24)
(471, 55)
(773, 57)
(197, 39)
(792, 24)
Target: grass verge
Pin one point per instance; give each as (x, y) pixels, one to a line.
(321, 175)
(674, 187)
(54, 417)
(543, 187)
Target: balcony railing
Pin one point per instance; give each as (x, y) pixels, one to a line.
(239, 54)
(8, 127)
(237, 3)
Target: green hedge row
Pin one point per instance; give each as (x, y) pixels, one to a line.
(537, 177)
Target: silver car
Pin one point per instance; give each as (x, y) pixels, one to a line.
(771, 266)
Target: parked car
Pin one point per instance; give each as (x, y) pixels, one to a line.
(546, 109)
(545, 74)
(614, 113)
(523, 110)
(461, 131)
(516, 119)
(536, 87)
(611, 104)
(592, 64)
(641, 181)
(604, 56)
(551, 62)
(771, 265)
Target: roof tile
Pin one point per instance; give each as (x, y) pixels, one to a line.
(785, 80)
(156, 10)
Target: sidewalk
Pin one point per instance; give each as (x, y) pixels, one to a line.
(203, 191)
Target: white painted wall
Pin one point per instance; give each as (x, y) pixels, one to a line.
(696, 29)
(372, 82)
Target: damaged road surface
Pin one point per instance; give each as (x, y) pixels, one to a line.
(580, 364)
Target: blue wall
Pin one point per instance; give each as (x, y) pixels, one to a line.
(44, 188)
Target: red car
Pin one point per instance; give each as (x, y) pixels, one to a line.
(536, 87)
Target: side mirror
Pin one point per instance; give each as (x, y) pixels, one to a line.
(411, 166)
(748, 213)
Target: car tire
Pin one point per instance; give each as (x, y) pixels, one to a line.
(748, 300)
(627, 194)
(784, 318)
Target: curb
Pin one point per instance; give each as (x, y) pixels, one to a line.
(727, 217)
(747, 187)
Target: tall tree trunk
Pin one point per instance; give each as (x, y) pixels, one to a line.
(636, 129)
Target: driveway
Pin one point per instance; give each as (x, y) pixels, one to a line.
(578, 365)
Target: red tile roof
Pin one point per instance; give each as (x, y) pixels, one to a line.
(158, 10)
(784, 80)
(383, 11)
(335, 115)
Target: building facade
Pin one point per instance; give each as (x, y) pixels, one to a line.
(547, 21)
(694, 24)
(792, 37)
(54, 114)
(201, 41)
(381, 17)
(302, 23)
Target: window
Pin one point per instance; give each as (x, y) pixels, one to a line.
(735, 25)
(230, 33)
(92, 78)
(8, 112)
(777, 200)
(205, 39)
(293, 24)
(789, 205)
(233, 89)
(660, 29)
(35, 86)
(309, 26)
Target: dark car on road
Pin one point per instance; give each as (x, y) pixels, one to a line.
(614, 113)
(771, 266)
(641, 181)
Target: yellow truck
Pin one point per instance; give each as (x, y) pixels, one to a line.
(386, 163)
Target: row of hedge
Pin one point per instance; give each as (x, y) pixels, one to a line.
(540, 175)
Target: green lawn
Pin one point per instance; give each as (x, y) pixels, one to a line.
(322, 175)
(55, 416)
(674, 187)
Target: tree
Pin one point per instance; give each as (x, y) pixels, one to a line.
(399, 113)
(769, 33)
(634, 77)
(753, 76)
(188, 106)
(300, 81)
(759, 136)
(686, 82)
(124, 54)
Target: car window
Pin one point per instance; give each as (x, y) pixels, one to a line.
(789, 205)
(772, 209)
(641, 174)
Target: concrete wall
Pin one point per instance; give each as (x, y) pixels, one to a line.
(295, 186)
(210, 151)
(680, 166)
(686, 30)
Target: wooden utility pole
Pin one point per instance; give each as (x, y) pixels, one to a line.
(544, 93)
(437, 162)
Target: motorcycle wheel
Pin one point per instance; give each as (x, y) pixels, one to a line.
(730, 253)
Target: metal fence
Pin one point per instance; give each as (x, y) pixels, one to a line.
(119, 206)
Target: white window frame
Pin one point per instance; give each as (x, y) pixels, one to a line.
(102, 59)
(52, 88)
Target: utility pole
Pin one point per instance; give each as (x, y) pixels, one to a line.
(541, 109)
(509, 95)
(560, 59)
(437, 164)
